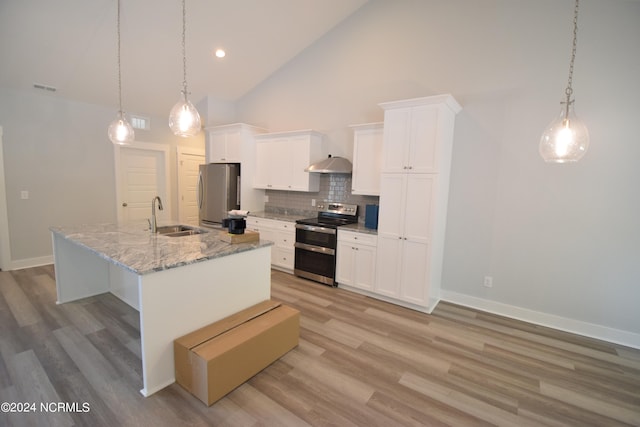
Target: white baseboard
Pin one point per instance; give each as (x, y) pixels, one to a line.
(31, 262)
(423, 309)
(591, 330)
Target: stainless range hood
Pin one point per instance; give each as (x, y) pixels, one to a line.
(331, 165)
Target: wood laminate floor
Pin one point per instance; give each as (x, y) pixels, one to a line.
(360, 362)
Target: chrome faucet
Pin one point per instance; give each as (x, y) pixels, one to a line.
(153, 223)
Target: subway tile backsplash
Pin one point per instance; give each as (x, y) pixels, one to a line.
(333, 188)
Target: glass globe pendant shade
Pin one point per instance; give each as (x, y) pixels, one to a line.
(566, 139)
(121, 131)
(184, 119)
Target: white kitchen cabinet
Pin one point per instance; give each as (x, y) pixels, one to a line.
(404, 235)
(285, 239)
(232, 143)
(367, 159)
(282, 234)
(283, 157)
(261, 175)
(404, 274)
(414, 189)
(405, 210)
(355, 265)
(417, 134)
(225, 146)
(235, 143)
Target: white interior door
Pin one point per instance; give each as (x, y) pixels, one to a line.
(142, 173)
(188, 162)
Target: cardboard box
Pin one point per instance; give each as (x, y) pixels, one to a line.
(213, 360)
(246, 237)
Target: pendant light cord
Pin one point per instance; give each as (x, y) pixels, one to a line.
(119, 73)
(569, 90)
(184, 49)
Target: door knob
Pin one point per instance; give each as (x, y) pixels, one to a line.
(124, 205)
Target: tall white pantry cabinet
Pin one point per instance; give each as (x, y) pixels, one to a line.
(414, 190)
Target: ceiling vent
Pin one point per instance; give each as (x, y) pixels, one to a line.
(139, 122)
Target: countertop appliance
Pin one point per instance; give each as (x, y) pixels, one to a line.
(218, 192)
(316, 241)
(235, 225)
(371, 216)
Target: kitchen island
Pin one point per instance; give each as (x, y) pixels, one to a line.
(177, 284)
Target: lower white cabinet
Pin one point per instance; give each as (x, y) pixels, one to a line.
(282, 234)
(405, 262)
(356, 262)
(403, 272)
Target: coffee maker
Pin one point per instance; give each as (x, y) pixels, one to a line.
(235, 225)
(236, 222)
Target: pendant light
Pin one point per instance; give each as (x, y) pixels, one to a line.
(566, 139)
(184, 119)
(120, 130)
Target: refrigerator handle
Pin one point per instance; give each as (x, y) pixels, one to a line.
(200, 190)
(238, 191)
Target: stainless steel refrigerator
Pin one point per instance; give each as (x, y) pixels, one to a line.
(218, 192)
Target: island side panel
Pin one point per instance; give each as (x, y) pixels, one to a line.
(124, 283)
(80, 273)
(177, 301)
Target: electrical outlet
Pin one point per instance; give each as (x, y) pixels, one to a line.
(24, 194)
(488, 281)
(266, 198)
(313, 202)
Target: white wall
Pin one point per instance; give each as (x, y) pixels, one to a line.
(562, 242)
(58, 151)
(214, 112)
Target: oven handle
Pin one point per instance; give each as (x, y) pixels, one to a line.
(312, 248)
(316, 228)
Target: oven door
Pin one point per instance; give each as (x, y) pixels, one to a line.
(316, 236)
(315, 263)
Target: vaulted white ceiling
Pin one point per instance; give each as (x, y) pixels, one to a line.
(71, 45)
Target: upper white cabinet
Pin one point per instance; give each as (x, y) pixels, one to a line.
(235, 143)
(225, 147)
(283, 157)
(367, 159)
(417, 134)
(232, 143)
(414, 190)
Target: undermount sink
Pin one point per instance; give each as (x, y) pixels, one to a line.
(179, 230)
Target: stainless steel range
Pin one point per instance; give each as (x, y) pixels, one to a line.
(316, 241)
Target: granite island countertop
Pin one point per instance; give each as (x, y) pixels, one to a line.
(135, 248)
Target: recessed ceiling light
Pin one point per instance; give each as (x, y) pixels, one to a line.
(220, 53)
